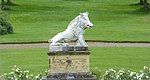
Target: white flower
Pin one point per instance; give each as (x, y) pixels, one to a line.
(141, 71)
(27, 71)
(11, 73)
(141, 74)
(20, 75)
(31, 74)
(147, 77)
(134, 77)
(131, 73)
(114, 71)
(117, 76)
(17, 70)
(46, 71)
(15, 66)
(5, 73)
(12, 78)
(145, 67)
(111, 69)
(121, 74)
(96, 68)
(27, 76)
(36, 77)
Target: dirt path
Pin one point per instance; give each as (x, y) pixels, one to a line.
(91, 44)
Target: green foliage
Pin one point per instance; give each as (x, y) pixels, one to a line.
(123, 74)
(97, 72)
(5, 26)
(19, 74)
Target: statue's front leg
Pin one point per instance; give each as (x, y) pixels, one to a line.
(81, 41)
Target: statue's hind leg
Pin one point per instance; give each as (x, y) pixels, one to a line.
(57, 38)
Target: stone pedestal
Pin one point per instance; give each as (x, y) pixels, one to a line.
(69, 63)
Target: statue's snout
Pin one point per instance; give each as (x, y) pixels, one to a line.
(90, 25)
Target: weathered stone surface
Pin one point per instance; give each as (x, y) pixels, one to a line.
(69, 63)
(74, 31)
(70, 76)
(68, 49)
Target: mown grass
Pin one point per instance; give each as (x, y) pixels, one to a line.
(36, 60)
(39, 20)
(129, 58)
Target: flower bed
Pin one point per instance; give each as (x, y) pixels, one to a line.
(110, 74)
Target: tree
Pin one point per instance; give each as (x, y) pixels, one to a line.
(8, 3)
(141, 2)
(145, 5)
(2, 7)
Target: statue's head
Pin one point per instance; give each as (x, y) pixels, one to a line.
(86, 23)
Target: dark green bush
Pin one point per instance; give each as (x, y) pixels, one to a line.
(5, 26)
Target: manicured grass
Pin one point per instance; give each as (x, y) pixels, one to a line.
(36, 60)
(39, 20)
(129, 58)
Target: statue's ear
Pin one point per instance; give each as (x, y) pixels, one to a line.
(81, 14)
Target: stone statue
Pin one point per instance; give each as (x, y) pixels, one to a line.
(74, 32)
(70, 62)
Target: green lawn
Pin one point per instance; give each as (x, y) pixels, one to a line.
(129, 58)
(36, 60)
(39, 20)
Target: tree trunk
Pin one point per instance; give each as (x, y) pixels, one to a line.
(141, 2)
(2, 5)
(145, 5)
(8, 2)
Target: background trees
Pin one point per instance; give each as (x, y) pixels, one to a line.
(7, 3)
(2, 5)
(145, 4)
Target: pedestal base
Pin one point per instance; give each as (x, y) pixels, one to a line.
(70, 76)
(69, 63)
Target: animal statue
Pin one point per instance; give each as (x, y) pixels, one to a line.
(74, 32)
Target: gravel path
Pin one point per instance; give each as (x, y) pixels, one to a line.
(91, 44)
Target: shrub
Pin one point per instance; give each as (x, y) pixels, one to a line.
(5, 26)
(18, 74)
(123, 74)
